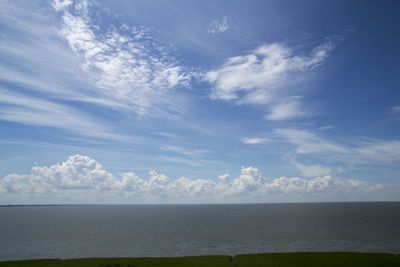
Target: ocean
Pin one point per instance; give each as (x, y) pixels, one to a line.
(31, 232)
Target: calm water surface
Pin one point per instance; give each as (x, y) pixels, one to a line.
(135, 231)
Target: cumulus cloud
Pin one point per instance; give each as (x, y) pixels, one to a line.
(251, 180)
(14, 183)
(265, 76)
(288, 185)
(219, 26)
(83, 175)
(77, 173)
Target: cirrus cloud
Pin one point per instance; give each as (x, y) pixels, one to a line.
(129, 67)
(219, 26)
(254, 140)
(310, 146)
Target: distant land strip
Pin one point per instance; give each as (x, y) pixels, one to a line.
(194, 204)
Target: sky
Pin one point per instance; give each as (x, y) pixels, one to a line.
(143, 102)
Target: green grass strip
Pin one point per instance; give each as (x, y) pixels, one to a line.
(306, 259)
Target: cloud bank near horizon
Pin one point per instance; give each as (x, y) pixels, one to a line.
(85, 178)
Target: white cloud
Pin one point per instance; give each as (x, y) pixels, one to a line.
(189, 156)
(15, 184)
(308, 143)
(184, 151)
(132, 183)
(290, 185)
(81, 175)
(312, 170)
(380, 150)
(265, 76)
(395, 112)
(77, 173)
(325, 184)
(396, 109)
(61, 4)
(360, 152)
(327, 127)
(366, 152)
(132, 68)
(43, 83)
(157, 182)
(250, 180)
(182, 160)
(254, 140)
(48, 68)
(219, 26)
(185, 187)
(40, 112)
(288, 109)
(224, 177)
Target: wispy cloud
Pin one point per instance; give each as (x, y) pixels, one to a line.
(287, 109)
(266, 77)
(312, 170)
(254, 140)
(395, 112)
(327, 127)
(186, 155)
(83, 175)
(219, 26)
(182, 160)
(40, 112)
(308, 142)
(361, 152)
(48, 69)
(184, 151)
(379, 150)
(396, 109)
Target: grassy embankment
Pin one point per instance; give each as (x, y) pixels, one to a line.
(306, 259)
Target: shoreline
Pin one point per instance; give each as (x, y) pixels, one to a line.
(282, 259)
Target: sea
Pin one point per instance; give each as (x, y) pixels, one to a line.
(79, 231)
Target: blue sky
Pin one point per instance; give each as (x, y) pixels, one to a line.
(199, 101)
